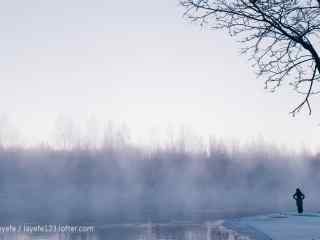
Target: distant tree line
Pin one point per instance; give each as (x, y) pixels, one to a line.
(132, 184)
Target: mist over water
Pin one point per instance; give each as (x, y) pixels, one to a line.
(118, 182)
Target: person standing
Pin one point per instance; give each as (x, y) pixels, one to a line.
(299, 196)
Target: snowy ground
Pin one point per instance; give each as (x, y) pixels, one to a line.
(289, 226)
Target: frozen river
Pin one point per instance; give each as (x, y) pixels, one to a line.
(287, 226)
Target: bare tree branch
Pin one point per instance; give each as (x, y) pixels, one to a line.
(277, 35)
(306, 100)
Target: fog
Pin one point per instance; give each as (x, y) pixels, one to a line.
(119, 182)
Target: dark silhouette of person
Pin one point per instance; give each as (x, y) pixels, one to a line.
(299, 196)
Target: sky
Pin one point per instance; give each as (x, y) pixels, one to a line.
(138, 64)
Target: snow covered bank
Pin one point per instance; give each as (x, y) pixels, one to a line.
(289, 226)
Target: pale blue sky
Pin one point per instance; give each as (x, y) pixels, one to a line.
(138, 63)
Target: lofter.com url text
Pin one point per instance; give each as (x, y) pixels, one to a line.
(46, 228)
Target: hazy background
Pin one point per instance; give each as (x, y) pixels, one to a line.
(118, 111)
(140, 65)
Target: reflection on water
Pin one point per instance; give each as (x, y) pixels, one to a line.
(135, 232)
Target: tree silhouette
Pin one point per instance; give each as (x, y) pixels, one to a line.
(280, 37)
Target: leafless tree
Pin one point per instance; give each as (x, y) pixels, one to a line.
(280, 36)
